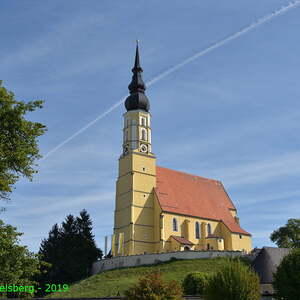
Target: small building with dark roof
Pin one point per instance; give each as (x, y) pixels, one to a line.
(265, 265)
(267, 261)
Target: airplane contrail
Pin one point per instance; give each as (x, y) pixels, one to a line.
(83, 129)
(170, 70)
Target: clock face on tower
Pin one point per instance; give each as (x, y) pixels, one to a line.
(143, 148)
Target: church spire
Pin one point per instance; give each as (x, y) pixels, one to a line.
(137, 66)
(137, 87)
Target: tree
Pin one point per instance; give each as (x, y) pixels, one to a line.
(18, 141)
(287, 277)
(195, 283)
(287, 236)
(233, 281)
(152, 287)
(70, 249)
(18, 264)
(88, 252)
(50, 251)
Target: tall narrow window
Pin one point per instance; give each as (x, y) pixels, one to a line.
(144, 134)
(127, 122)
(126, 137)
(208, 229)
(175, 225)
(143, 121)
(197, 230)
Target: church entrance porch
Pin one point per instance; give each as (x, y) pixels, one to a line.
(214, 243)
(180, 244)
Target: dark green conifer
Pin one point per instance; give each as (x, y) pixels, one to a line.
(70, 249)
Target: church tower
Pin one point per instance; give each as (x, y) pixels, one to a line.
(134, 207)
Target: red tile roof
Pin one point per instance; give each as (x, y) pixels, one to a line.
(181, 240)
(192, 195)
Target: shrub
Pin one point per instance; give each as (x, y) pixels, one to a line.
(152, 287)
(287, 277)
(234, 281)
(195, 283)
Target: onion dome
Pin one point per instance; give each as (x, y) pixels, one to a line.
(137, 98)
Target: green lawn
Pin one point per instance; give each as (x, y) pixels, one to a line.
(109, 283)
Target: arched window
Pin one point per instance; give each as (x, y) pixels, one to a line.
(175, 227)
(208, 229)
(197, 230)
(127, 122)
(144, 135)
(143, 121)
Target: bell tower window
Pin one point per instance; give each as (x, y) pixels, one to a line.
(144, 134)
(143, 121)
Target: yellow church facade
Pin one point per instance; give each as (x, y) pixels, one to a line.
(159, 209)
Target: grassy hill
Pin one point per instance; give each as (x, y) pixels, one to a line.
(109, 283)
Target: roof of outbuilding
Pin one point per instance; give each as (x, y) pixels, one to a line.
(192, 195)
(181, 240)
(267, 261)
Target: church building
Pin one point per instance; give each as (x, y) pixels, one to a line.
(159, 209)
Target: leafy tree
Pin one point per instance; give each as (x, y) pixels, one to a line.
(287, 236)
(152, 287)
(70, 249)
(18, 264)
(18, 141)
(233, 281)
(287, 277)
(195, 283)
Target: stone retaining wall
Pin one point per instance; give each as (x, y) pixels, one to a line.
(154, 258)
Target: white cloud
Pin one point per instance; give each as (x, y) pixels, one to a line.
(82, 164)
(272, 197)
(44, 205)
(261, 233)
(45, 44)
(261, 171)
(199, 145)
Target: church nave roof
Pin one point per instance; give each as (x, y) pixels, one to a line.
(192, 195)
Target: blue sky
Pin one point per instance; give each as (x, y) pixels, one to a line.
(231, 114)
